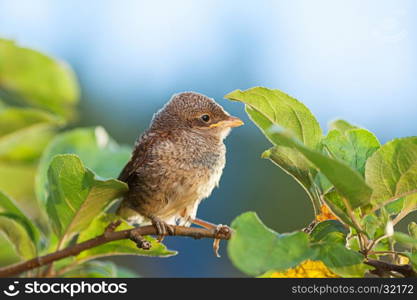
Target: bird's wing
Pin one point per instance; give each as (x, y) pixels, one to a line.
(140, 155)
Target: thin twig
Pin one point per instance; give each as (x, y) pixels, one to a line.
(363, 241)
(107, 237)
(400, 216)
(382, 268)
(392, 199)
(375, 242)
(352, 216)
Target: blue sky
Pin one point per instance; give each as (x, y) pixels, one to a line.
(354, 59)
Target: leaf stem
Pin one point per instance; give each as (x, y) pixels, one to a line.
(314, 194)
(375, 242)
(392, 199)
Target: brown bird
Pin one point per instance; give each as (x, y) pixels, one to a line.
(176, 163)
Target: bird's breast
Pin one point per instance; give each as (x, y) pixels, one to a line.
(205, 168)
(196, 177)
(212, 179)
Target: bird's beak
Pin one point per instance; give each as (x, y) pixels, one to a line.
(229, 122)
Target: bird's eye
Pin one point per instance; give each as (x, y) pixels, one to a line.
(205, 118)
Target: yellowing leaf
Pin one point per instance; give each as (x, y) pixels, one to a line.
(403, 260)
(307, 269)
(325, 214)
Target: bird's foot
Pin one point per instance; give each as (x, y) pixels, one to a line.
(220, 231)
(162, 228)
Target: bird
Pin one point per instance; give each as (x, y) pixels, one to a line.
(176, 163)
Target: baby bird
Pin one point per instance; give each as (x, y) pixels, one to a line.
(176, 163)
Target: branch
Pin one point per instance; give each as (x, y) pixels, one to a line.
(111, 235)
(384, 268)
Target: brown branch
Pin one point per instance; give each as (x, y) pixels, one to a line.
(110, 235)
(383, 268)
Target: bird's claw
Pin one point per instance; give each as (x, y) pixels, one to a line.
(162, 229)
(220, 231)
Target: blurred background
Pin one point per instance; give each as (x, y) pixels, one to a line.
(350, 59)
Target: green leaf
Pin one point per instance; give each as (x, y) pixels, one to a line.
(266, 108)
(339, 259)
(329, 240)
(8, 206)
(413, 259)
(126, 273)
(408, 185)
(324, 185)
(8, 253)
(329, 231)
(395, 207)
(348, 182)
(392, 171)
(405, 239)
(17, 181)
(282, 110)
(341, 125)
(39, 80)
(412, 229)
(76, 196)
(24, 133)
(93, 269)
(269, 108)
(353, 147)
(18, 236)
(272, 110)
(255, 249)
(373, 226)
(14, 119)
(294, 164)
(334, 201)
(96, 149)
(121, 247)
(99, 269)
(336, 255)
(289, 160)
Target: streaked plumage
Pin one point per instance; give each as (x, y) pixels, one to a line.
(178, 161)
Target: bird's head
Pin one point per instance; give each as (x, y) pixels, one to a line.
(196, 112)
